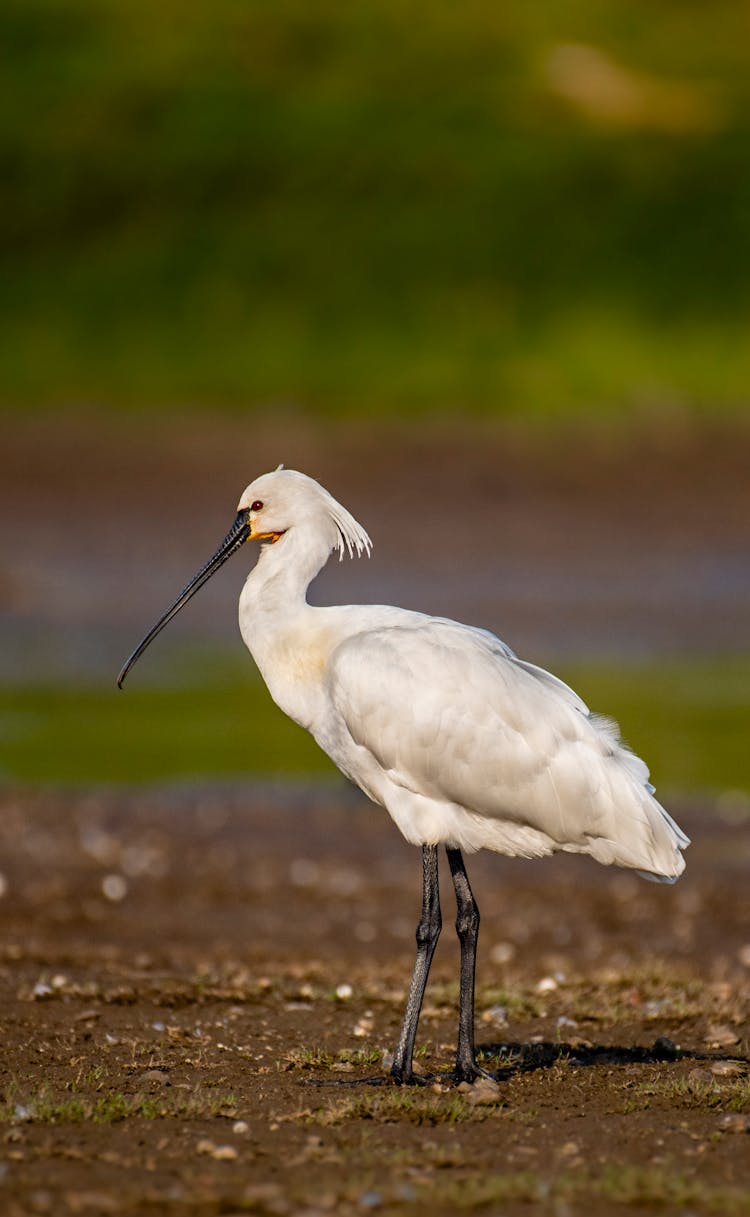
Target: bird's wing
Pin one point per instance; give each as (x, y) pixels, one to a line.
(451, 714)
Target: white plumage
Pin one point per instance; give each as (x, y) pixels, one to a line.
(463, 743)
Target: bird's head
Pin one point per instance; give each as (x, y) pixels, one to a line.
(273, 506)
(279, 502)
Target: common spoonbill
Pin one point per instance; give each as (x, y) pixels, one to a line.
(462, 742)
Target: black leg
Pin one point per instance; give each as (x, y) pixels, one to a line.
(467, 928)
(428, 932)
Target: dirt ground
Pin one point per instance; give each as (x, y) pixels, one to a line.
(192, 977)
(191, 981)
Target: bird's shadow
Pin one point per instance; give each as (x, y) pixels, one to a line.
(502, 1061)
(511, 1058)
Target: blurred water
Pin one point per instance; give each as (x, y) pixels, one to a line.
(86, 616)
(92, 553)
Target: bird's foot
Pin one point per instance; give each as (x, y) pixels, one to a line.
(466, 1070)
(469, 1072)
(407, 1077)
(455, 1077)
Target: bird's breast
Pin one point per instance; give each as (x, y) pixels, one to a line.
(293, 666)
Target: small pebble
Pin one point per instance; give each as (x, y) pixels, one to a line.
(734, 1121)
(700, 1076)
(495, 1014)
(727, 1069)
(240, 1128)
(721, 1037)
(547, 984)
(114, 887)
(155, 1076)
(344, 992)
(371, 1200)
(484, 1093)
(224, 1153)
(502, 952)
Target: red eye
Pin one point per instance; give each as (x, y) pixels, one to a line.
(256, 505)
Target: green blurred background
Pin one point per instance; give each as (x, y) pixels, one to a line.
(379, 213)
(380, 206)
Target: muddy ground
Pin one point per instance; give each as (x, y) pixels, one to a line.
(191, 982)
(191, 977)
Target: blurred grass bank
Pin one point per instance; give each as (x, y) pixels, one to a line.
(691, 721)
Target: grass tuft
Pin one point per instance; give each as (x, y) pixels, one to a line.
(44, 1107)
(411, 1105)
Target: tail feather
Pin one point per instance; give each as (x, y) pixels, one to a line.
(654, 848)
(652, 843)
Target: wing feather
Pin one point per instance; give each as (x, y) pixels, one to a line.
(451, 715)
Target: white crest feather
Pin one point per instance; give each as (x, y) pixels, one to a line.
(352, 536)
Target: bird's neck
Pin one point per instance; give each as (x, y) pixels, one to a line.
(277, 585)
(278, 626)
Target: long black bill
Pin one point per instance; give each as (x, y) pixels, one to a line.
(237, 535)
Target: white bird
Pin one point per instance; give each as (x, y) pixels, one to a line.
(462, 742)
